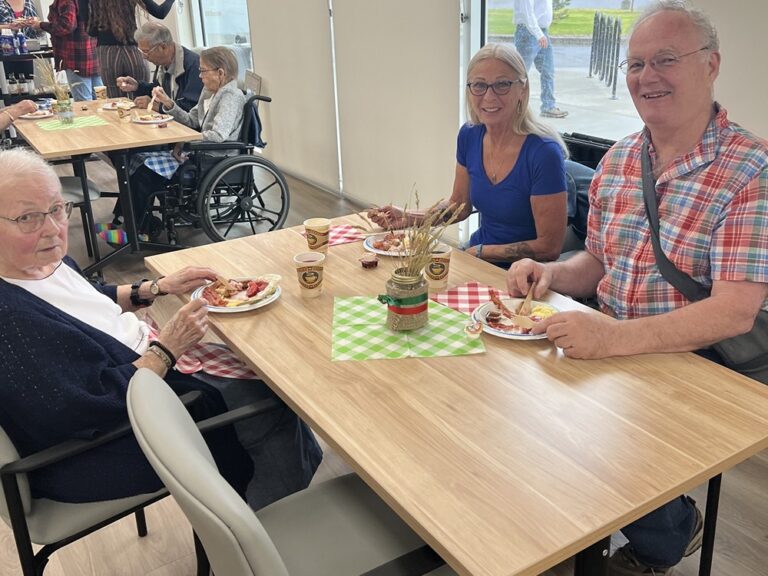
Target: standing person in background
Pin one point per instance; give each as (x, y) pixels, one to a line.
(113, 23)
(11, 10)
(533, 19)
(73, 48)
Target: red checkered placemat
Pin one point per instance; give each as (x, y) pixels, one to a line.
(343, 234)
(213, 359)
(466, 297)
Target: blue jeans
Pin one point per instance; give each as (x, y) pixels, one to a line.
(528, 47)
(82, 86)
(659, 538)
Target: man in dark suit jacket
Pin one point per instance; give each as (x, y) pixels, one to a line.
(177, 68)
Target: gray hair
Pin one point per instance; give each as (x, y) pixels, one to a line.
(221, 57)
(525, 123)
(698, 18)
(19, 167)
(154, 33)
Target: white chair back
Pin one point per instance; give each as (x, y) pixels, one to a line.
(234, 539)
(8, 453)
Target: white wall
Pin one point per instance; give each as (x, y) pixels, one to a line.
(743, 82)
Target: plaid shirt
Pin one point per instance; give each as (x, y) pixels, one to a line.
(7, 16)
(713, 213)
(71, 44)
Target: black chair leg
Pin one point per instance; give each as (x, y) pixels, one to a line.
(203, 565)
(88, 231)
(141, 523)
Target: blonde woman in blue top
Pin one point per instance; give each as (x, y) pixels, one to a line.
(510, 167)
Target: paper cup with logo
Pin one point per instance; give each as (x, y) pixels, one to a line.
(309, 269)
(437, 268)
(101, 92)
(317, 230)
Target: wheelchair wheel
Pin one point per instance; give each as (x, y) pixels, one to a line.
(241, 196)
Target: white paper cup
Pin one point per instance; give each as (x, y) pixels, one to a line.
(309, 270)
(317, 230)
(437, 268)
(101, 92)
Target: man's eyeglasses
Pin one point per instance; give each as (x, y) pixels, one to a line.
(148, 52)
(500, 87)
(33, 221)
(661, 62)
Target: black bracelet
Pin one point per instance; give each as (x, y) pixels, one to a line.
(167, 352)
(135, 299)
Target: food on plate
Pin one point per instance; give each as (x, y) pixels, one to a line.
(231, 293)
(38, 114)
(503, 319)
(153, 116)
(123, 104)
(369, 260)
(473, 329)
(391, 242)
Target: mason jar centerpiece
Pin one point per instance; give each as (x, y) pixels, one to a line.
(407, 290)
(56, 83)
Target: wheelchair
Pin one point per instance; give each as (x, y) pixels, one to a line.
(231, 196)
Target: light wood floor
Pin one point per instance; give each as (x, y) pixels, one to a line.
(742, 540)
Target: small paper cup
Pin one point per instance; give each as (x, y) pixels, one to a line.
(309, 271)
(437, 268)
(101, 92)
(317, 230)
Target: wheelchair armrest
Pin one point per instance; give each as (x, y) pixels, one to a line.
(238, 414)
(70, 448)
(209, 146)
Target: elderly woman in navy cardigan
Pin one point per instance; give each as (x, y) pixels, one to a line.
(70, 347)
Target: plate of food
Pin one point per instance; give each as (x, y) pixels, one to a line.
(119, 105)
(394, 243)
(152, 118)
(499, 318)
(37, 114)
(240, 294)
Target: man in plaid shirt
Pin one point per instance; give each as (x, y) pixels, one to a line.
(712, 190)
(67, 25)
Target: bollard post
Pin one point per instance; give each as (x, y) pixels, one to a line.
(616, 53)
(593, 52)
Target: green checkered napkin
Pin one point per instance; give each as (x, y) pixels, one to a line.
(79, 122)
(360, 333)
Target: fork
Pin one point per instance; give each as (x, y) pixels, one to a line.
(151, 103)
(525, 307)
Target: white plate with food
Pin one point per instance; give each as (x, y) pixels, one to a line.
(392, 243)
(119, 105)
(37, 115)
(240, 294)
(152, 118)
(505, 323)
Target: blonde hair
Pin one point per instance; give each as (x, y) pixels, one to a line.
(525, 122)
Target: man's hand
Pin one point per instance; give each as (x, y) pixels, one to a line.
(543, 43)
(128, 84)
(141, 101)
(586, 335)
(523, 273)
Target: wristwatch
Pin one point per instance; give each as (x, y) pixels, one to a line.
(154, 287)
(136, 300)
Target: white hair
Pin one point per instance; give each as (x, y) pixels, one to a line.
(698, 18)
(19, 167)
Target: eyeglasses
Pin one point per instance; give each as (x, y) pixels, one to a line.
(204, 70)
(661, 62)
(500, 87)
(33, 221)
(148, 52)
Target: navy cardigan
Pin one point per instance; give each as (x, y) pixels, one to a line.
(60, 378)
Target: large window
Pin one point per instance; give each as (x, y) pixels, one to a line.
(592, 105)
(223, 22)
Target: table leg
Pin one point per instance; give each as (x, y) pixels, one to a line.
(78, 166)
(593, 561)
(710, 525)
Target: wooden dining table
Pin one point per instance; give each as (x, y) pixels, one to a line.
(119, 136)
(506, 462)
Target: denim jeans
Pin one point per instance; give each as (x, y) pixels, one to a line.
(284, 450)
(528, 47)
(82, 86)
(659, 538)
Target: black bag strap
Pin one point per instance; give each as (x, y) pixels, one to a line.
(687, 286)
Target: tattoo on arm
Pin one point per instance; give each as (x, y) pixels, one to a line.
(518, 251)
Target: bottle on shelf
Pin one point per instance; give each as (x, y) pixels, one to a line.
(23, 89)
(16, 44)
(6, 40)
(22, 43)
(13, 86)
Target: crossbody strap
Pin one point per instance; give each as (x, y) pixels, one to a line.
(687, 286)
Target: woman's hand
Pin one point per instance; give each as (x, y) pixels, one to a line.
(178, 152)
(388, 217)
(185, 328)
(23, 107)
(187, 279)
(160, 96)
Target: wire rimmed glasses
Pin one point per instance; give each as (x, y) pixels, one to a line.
(500, 87)
(33, 221)
(660, 62)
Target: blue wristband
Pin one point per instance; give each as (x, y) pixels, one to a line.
(479, 250)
